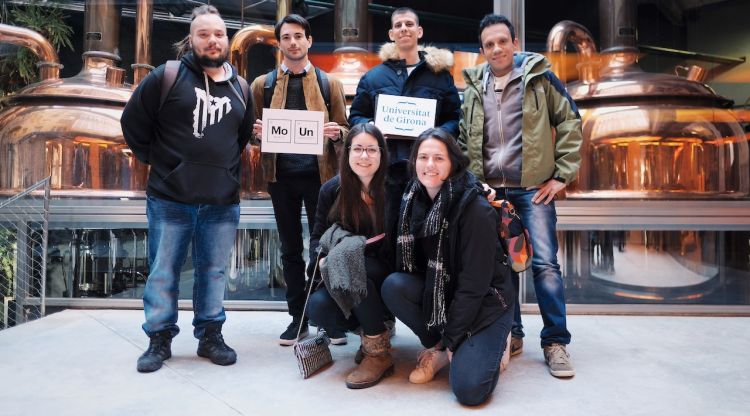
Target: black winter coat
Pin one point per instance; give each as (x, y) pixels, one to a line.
(431, 79)
(481, 289)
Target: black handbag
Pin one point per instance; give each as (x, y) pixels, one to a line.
(312, 354)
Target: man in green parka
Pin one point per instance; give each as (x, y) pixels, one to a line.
(522, 132)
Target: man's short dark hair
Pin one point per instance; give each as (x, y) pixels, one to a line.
(404, 10)
(293, 19)
(495, 19)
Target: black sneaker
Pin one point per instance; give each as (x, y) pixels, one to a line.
(337, 337)
(289, 336)
(212, 346)
(159, 349)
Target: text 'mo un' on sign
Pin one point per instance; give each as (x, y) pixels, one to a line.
(292, 131)
(404, 116)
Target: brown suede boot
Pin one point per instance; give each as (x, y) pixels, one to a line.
(376, 364)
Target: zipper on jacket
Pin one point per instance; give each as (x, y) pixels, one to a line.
(502, 133)
(468, 339)
(499, 295)
(536, 99)
(473, 103)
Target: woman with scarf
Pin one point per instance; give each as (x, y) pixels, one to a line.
(352, 204)
(453, 287)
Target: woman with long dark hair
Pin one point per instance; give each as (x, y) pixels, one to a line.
(453, 287)
(352, 205)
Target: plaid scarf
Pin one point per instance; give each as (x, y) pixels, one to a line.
(421, 217)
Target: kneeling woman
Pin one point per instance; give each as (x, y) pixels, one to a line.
(354, 201)
(453, 288)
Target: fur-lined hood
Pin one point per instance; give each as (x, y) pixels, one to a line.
(437, 59)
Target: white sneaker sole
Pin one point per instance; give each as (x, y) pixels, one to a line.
(339, 341)
(290, 342)
(562, 373)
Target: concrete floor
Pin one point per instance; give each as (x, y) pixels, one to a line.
(82, 362)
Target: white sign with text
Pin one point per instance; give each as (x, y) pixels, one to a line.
(404, 116)
(292, 131)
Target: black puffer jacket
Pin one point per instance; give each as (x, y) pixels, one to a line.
(431, 79)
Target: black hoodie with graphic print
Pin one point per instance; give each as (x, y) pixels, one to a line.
(193, 149)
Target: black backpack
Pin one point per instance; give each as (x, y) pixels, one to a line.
(170, 76)
(323, 84)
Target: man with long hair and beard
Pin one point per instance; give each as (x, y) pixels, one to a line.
(191, 130)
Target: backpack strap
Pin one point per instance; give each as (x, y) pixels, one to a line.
(168, 79)
(325, 88)
(244, 87)
(268, 88)
(170, 76)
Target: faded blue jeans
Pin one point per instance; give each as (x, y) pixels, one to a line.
(541, 221)
(172, 227)
(475, 368)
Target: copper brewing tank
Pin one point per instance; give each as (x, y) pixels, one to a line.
(252, 182)
(70, 128)
(648, 135)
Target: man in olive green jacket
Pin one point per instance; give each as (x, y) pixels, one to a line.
(522, 133)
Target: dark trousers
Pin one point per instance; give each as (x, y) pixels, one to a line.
(368, 314)
(475, 368)
(287, 197)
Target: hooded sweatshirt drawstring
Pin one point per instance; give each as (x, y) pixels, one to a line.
(208, 102)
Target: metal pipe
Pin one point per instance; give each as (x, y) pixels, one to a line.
(283, 8)
(351, 23)
(49, 65)
(515, 10)
(617, 26)
(244, 39)
(102, 29)
(569, 31)
(143, 24)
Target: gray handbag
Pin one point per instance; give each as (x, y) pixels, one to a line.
(312, 354)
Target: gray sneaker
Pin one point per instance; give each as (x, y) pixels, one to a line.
(558, 361)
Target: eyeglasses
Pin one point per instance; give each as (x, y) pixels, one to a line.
(371, 151)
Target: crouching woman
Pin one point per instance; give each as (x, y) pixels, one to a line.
(453, 287)
(352, 204)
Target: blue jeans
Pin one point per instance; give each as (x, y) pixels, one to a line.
(541, 221)
(172, 227)
(475, 368)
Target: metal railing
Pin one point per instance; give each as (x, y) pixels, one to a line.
(23, 254)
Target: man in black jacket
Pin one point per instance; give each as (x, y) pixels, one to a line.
(408, 70)
(192, 137)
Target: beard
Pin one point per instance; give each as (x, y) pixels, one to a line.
(208, 62)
